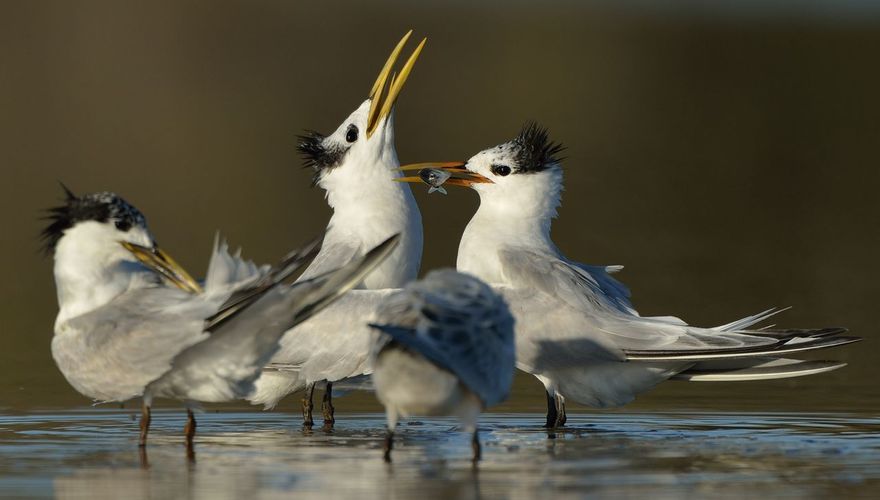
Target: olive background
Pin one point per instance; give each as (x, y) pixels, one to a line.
(727, 156)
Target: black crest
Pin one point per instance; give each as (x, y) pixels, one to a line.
(316, 155)
(534, 150)
(99, 207)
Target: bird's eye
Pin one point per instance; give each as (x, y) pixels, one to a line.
(351, 134)
(123, 225)
(501, 170)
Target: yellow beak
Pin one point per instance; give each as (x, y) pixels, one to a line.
(162, 263)
(460, 175)
(381, 107)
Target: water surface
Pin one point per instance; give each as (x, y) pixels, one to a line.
(93, 453)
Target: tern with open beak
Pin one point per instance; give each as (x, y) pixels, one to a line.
(132, 323)
(576, 330)
(353, 165)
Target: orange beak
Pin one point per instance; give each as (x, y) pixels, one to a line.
(460, 176)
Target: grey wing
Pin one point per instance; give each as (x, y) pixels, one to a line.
(460, 324)
(581, 286)
(226, 365)
(333, 255)
(114, 352)
(597, 303)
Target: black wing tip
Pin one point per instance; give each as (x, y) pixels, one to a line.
(798, 332)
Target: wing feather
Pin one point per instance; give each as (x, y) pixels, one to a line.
(132, 341)
(459, 324)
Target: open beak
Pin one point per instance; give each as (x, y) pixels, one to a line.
(159, 261)
(460, 176)
(380, 106)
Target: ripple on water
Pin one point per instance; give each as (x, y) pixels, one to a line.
(266, 455)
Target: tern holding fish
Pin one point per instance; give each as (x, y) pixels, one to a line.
(577, 331)
(434, 177)
(122, 332)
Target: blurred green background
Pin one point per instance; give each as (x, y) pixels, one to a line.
(727, 156)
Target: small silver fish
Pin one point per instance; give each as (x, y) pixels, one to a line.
(435, 178)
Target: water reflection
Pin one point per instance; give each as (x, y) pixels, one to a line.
(266, 455)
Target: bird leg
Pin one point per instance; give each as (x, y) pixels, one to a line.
(142, 455)
(307, 406)
(145, 424)
(189, 430)
(327, 407)
(389, 444)
(475, 446)
(552, 415)
(560, 411)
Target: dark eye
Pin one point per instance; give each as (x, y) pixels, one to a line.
(501, 170)
(351, 134)
(123, 225)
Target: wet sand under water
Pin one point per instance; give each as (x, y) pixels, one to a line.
(93, 453)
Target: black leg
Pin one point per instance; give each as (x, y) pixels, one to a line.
(189, 430)
(327, 407)
(475, 446)
(389, 444)
(551, 411)
(307, 406)
(145, 425)
(560, 411)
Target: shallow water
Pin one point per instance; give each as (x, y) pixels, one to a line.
(93, 453)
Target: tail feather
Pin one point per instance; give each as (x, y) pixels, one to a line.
(752, 320)
(790, 333)
(243, 298)
(227, 270)
(748, 369)
(784, 346)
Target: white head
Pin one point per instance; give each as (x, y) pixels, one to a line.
(102, 247)
(519, 181)
(360, 157)
(525, 175)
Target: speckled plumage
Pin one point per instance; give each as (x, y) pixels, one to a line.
(98, 207)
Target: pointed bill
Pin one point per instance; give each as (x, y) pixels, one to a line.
(381, 105)
(460, 176)
(162, 263)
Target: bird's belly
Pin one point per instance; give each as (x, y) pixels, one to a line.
(89, 374)
(414, 386)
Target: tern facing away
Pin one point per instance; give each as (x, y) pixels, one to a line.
(446, 348)
(353, 165)
(122, 332)
(576, 330)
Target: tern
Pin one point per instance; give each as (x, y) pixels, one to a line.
(122, 332)
(576, 329)
(446, 348)
(353, 165)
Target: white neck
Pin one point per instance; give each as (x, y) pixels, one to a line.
(512, 213)
(90, 271)
(369, 207)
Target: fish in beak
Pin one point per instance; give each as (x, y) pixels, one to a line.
(437, 174)
(381, 105)
(156, 259)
